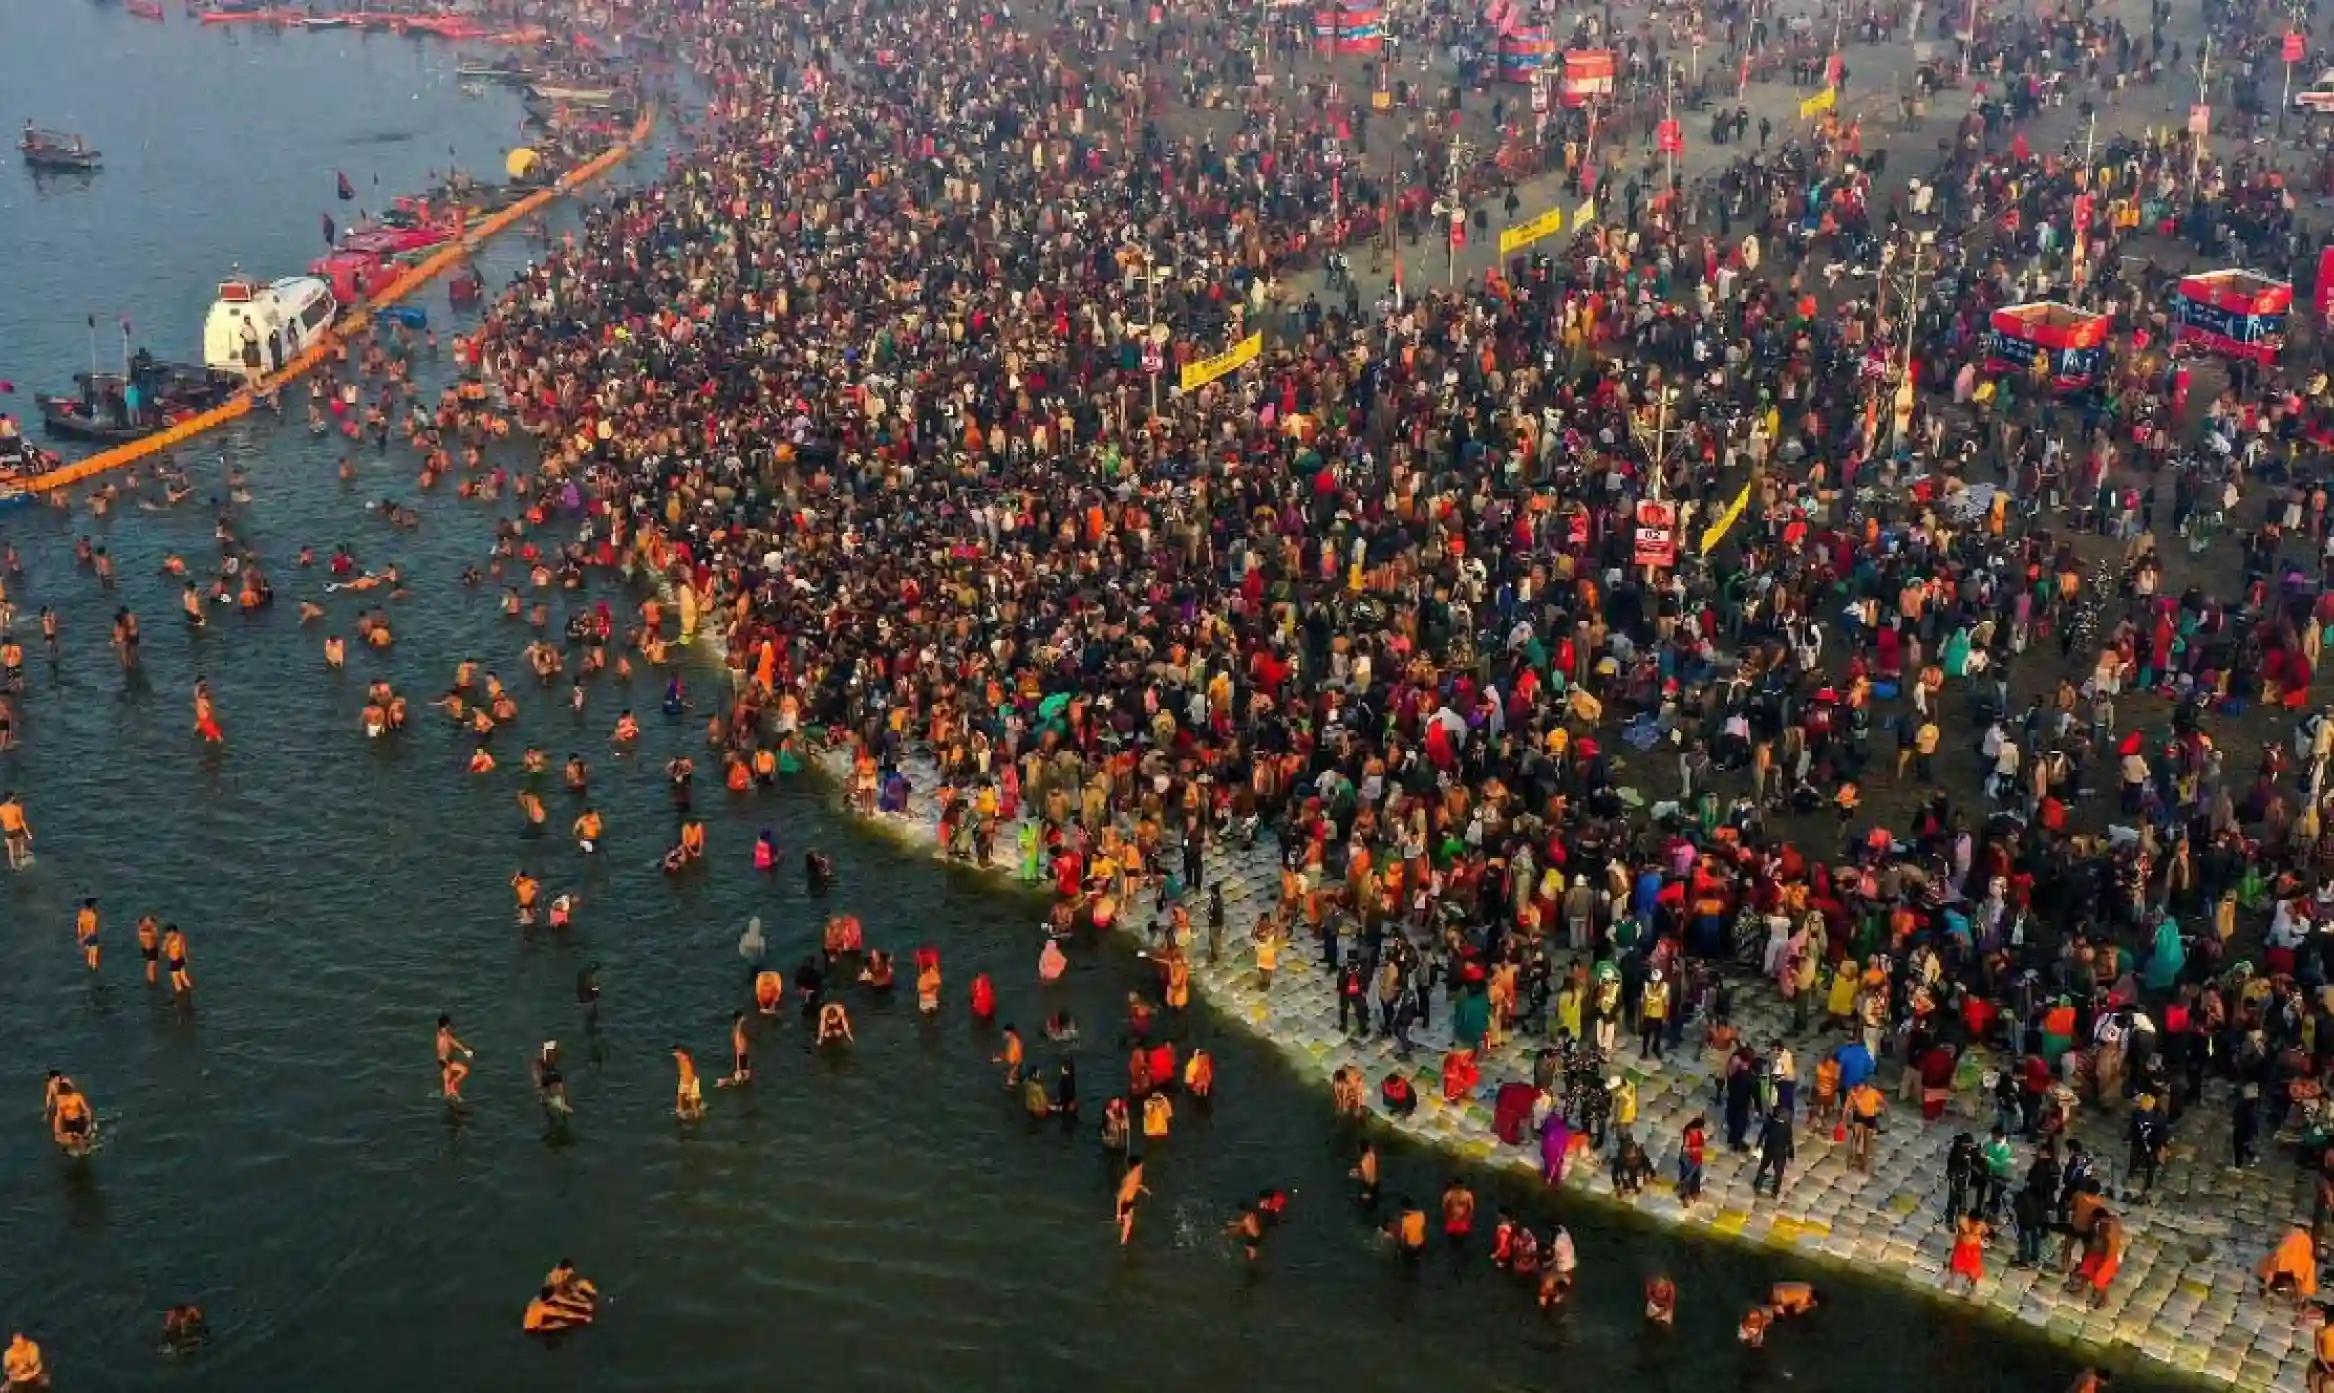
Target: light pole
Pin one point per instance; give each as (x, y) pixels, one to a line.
(1154, 329)
(1457, 208)
(2196, 138)
(1654, 440)
(1898, 406)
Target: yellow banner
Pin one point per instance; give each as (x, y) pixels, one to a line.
(1585, 214)
(1716, 531)
(1199, 374)
(1820, 102)
(1523, 234)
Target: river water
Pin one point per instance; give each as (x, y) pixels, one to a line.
(881, 1218)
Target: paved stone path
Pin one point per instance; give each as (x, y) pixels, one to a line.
(2186, 1296)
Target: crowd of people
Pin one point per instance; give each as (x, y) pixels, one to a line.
(862, 383)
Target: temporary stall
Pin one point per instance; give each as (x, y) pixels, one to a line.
(1588, 75)
(1524, 52)
(1350, 26)
(2233, 312)
(2068, 342)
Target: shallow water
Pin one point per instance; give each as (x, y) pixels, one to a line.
(880, 1218)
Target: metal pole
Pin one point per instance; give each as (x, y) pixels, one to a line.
(1660, 444)
(1458, 209)
(1669, 114)
(2203, 99)
(1968, 40)
(1151, 282)
(1904, 370)
(2284, 99)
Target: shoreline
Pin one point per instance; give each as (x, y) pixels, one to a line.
(440, 260)
(2180, 1311)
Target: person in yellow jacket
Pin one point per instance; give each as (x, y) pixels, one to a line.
(1623, 1097)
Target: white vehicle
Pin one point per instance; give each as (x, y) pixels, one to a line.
(2318, 96)
(284, 316)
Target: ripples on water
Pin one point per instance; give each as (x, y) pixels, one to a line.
(883, 1218)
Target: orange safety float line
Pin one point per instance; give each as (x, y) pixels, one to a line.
(415, 277)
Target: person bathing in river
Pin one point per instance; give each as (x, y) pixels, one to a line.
(174, 957)
(551, 1081)
(834, 1026)
(72, 1122)
(452, 1060)
(741, 1066)
(688, 1093)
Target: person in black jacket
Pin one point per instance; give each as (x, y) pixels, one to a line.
(1774, 1150)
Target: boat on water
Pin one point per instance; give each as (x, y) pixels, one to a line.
(251, 16)
(20, 460)
(45, 149)
(103, 411)
(571, 94)
(505, 70)
(283, 317)
(146, 9)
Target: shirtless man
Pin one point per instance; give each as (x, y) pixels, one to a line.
(15, 831)
(688, 1093)
(1248, 1227)
(125, 638)
(834, 1024)
(71, 1120)
(451, 1070)
(524, 889)
(1131, 1189)
(741, 1063)
(150, 946)
(174, 958)
(85, 931)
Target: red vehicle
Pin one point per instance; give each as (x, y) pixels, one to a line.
(354, 275)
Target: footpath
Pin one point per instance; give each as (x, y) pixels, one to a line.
(2186, 1297)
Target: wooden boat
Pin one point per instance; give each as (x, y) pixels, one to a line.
(98, 413)
(572, 94)
(146, 9)
(509, 70)
(56, 150)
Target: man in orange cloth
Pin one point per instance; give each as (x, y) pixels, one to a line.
(2291, 1268)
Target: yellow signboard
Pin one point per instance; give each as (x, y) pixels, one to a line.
(1199, 374)
(1523, 234)
(1821, 102)
(1585, 214)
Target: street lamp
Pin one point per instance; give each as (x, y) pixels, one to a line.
(1156, 331)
